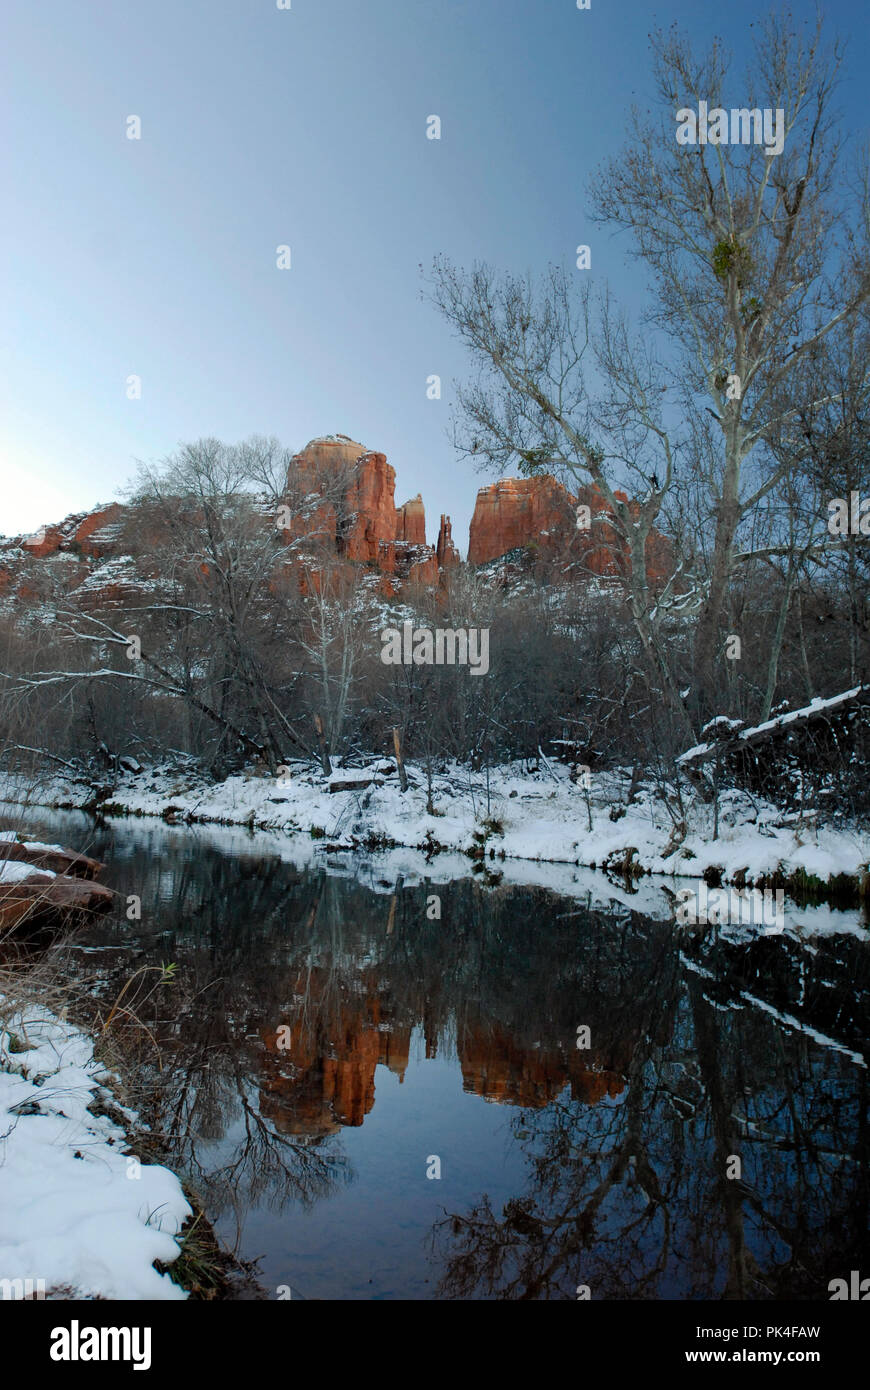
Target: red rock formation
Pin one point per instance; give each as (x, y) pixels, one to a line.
(54, 858)
(411, 522)
(516, 512)
(65, 896)
(340, 498)
(541, 514)
(445, 551)
(97, 533)
(369, 517)
(347, 494)
(90, 532)
(38, 901)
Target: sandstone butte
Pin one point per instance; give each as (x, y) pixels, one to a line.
(341, 496)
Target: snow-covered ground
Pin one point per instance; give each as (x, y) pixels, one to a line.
(78, 1214)
(540, 817)
(16, 871)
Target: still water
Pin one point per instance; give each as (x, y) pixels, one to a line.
(377, 1103)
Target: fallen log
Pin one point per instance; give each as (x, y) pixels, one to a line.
(733, 735)
(775, 757)
(355, 784)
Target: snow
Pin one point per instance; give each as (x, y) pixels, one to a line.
(357, 775)
(532, 816)
(76, 1222)
(81, 1222)
(11, 836)
(15, 871)
(814, 707)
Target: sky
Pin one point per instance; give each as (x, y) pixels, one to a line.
(304, 127)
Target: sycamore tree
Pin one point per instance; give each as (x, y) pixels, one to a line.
(753, 227)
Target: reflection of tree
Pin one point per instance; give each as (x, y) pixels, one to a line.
(217, 928)
(579, 1156)
(267, 1165)
(625, 1144)
(634, 1200)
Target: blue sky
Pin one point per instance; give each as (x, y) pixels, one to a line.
(305, 127)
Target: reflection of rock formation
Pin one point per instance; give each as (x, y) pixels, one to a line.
(324, 1076)
(498, 1068)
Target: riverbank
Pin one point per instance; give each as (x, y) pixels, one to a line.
(509, 814)
(235, 907)
(80, 1215)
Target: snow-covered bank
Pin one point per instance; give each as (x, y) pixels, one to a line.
(386, 871)
(76, 1214)
(541, 816)
(14, 872)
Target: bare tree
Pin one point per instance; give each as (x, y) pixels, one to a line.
(756, 258)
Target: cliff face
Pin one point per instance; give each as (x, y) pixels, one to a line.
(341, 499)
(91, 534)
(540, 514)
(70, 547)
(516, 512)
(349, 491)
(411, 522)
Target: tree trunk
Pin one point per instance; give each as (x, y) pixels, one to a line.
(707, 636)
(403, 776)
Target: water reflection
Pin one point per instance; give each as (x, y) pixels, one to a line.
(711, 1141)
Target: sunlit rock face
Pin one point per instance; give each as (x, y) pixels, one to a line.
(445, 550)
(88, 533)
(411, 522)
(340, 500)
(345, 495)
(539, 513)
(515, 512)
(80, 554)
